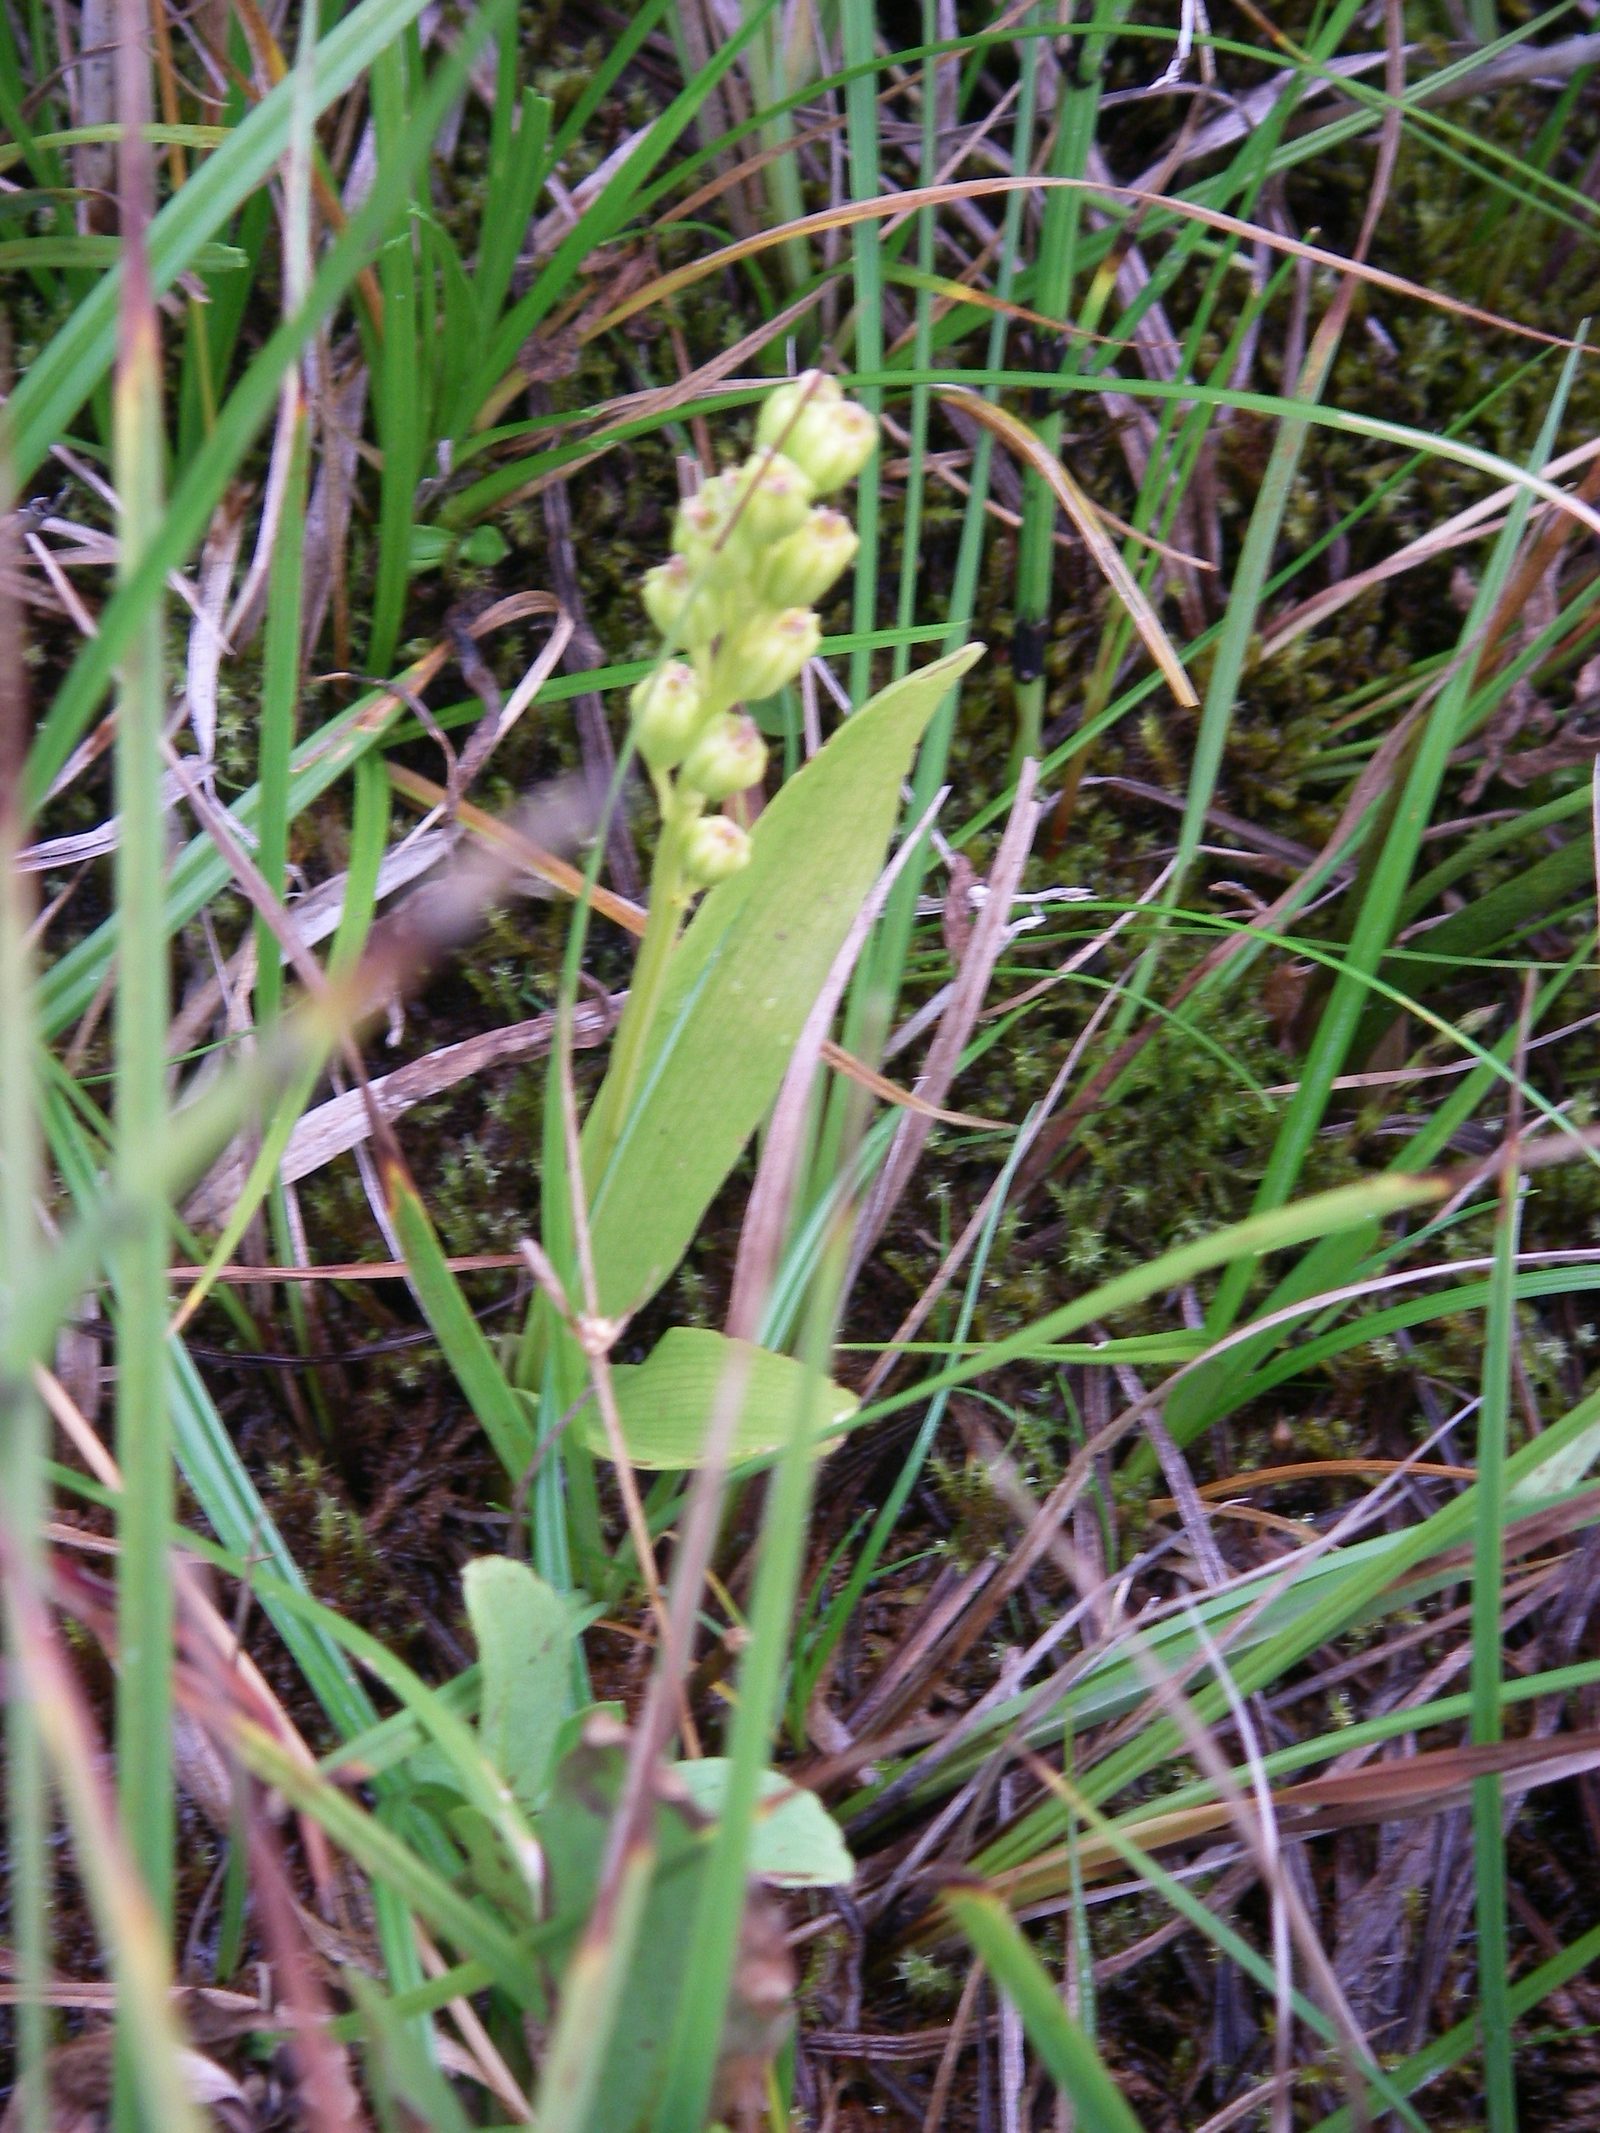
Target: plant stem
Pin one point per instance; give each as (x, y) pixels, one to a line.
(669, 899)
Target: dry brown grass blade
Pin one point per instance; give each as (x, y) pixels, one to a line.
(274, 69)
(327, 2093)
(213, 1680)
(953, 294)
(207, 633)
(516, 607)
(1272, 1477)
(348, 1270)
(904, 1099)
(511, 843)
(1479, 521)
(207, 1630)
(441, 916)
(941, 466)
(335, 1127)
(915, 198)
(506, 839)
(1024, 444)
(124, 1915)
(1429, 1783)
(630, 408)
(733, 176)
(894, 1352)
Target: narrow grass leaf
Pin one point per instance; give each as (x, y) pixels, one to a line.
(79, 356)
(493, 1398)
(1071, 2060)
(143, 1417)
(1488, 1558)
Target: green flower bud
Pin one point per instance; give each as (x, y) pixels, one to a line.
(799, 570)
(770, 650)
(833, 444)
(780, 409)
(772, 498)
(829, 438)
(701, 529)
(729, 757)
(666, 709)
(680, 612)
(714, 848)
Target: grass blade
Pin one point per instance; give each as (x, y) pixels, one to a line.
(1488, 1557)
(144, 1591)
(1071, 2059)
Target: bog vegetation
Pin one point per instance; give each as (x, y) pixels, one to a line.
(797, 1066)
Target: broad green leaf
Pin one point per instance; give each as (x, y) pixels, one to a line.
(489, 1869)
(796, 1844)
(667, 1401)
(743, 979)
(523, 1632)
(435, 547)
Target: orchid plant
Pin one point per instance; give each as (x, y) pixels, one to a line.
(752, 553)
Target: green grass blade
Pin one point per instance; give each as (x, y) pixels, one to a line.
(397, 370)
(1455, 2045)
(1389, 872)
(80, 355)
(597, 225)
(144, 1589)
(1488, 1556)
(1347, 1206)
(22, 1433)
(1054, 275)
(1069, 2057)
(492, 1397)
(202, 483)
(859, 19)
(391, 1862)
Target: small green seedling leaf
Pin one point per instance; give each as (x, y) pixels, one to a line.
(797, 1844)
(667, 1402)
(524, 1636)
(433, 547)
(742, 982)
